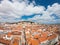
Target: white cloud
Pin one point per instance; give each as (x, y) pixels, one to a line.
(43, 19)
(18, 9)
(9, 11)
(54, 9)
(46, 15)
(34, 10)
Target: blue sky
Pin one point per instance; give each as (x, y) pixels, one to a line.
(40, 11)
(46, 2)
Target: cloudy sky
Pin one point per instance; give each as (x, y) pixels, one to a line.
(41, 11)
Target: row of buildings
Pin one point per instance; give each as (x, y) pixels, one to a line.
(29, 33)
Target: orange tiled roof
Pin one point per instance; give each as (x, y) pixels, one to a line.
(36, 36)
(34, 41)
(52, 37)
(9, 34)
